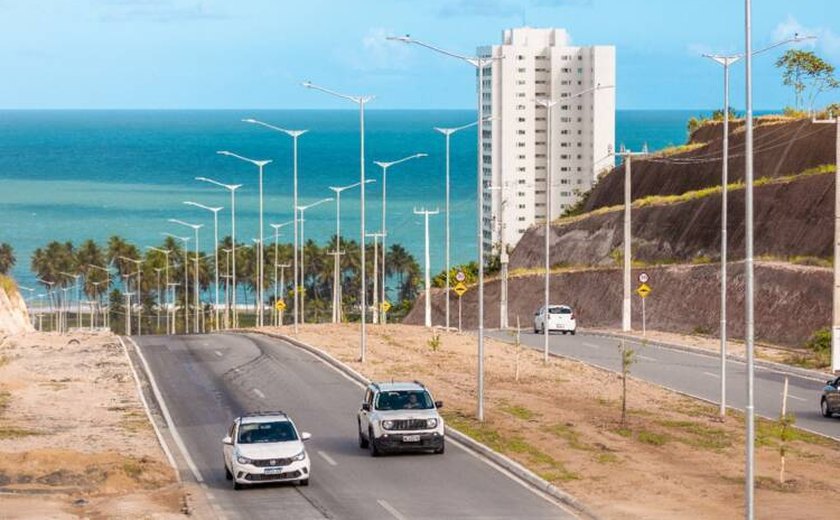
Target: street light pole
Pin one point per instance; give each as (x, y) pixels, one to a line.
(170, 329)
(294, 134)
(384, 230)
(260, 275)
(302, 211)
(426, 213)
(232, 189)
(749, 478)
(283, 268)
(336, 310)
(627, 306)
(726, 62)
(480, 63)
(447, 132)
(185, 265)
(215, 249)
(139, 292)
(361, 101)
(197, 304)
(375, 237)
(277, 227)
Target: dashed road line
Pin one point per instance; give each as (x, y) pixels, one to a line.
(327, 458)
(710, 374)
(591, 345)
(259, 393)
(218, 353)
(646, 358)
(797, 398)
(388, 507)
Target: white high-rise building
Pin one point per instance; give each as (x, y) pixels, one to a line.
(540, 64)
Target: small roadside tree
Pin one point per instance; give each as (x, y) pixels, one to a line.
(805, 71)
(7, 258)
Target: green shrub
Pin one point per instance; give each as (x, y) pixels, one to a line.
(820, 341)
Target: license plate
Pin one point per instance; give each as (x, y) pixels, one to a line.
(411, 438)
(273, 471)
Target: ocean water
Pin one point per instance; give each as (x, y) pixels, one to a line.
(74, 175)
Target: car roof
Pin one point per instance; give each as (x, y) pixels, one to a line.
(263, 417)
(399, 386)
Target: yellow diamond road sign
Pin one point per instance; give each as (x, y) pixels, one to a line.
(280, 305)
(386, 306)
(643, 290)
(460, 289)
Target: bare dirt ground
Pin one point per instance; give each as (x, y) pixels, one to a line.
(75, 440)
(672, 459)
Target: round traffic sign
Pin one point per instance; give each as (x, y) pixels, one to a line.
(643, 277)
(460, 276)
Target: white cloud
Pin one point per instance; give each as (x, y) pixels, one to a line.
(377, 53)
(827, 41)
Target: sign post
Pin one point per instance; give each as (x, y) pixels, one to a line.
(459, 289)
(643, 290)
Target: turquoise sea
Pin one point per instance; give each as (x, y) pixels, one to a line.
(73, 175)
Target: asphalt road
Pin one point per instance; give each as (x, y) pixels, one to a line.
(206, 380)
(697, 374)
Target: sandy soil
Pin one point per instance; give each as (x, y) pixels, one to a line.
(74, 438)
(672, 459)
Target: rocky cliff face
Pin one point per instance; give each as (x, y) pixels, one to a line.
(14, 318)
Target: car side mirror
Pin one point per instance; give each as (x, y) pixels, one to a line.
(227, 440)
(366, 407)
(438, 404)
(305, 436)
(830, 382)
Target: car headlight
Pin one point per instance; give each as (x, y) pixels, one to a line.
(387, 424)
(300, 456)
(431, 423)
(243, 460)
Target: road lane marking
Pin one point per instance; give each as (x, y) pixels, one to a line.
(797, 398)
(388, 507)
(327, 458)
(259, 394)
(591, 345)
(218, 353)
(646, 358)
(712, 375)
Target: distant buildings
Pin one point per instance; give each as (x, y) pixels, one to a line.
(540, 63)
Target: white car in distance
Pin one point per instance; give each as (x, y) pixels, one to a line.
(560, 318)
(263, 447)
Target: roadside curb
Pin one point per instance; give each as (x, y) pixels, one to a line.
(509, 465)
(816, 375)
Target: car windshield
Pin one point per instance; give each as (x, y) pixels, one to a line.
(559, 310)
(279, 431)
(404, 400)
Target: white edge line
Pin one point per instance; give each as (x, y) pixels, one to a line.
(646, 358)
(259, 393)
(710, 374)
(388, 507)
(797, 398)
(142, 396)
(218, 353)
(590, 345)
(165, 410)
(327, 458)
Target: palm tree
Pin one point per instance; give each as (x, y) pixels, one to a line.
(7, 258)
(89, 253)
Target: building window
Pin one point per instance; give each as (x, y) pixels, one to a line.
(520, 82)
(520, 132)
(520, 107)
(520, 57)
(520, 157)
(520, 145)
(520, 70)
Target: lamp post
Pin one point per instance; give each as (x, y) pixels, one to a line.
(166, 253)
(480, 63)
(227, 278)
(294, 134)
(726, 61)
(361, 101)
(302, 220)
(75, 278)
(186, 287)
(428, 302)
(283, 268)
(447, 132)
(232, 189)
(375, 237)
(49, 285)
(106, 320)
(260, 275)
(276, 237)
(548, 104)
(197, 304)
(139, 292)
(215, 251)
(384, 230)
(749, 331)
(336, 310)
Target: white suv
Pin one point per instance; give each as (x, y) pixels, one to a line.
(265, 447)
(560, 317)
(400, 417)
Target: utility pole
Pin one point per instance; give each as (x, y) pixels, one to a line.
(426, 214)
(749, 289)
(128, 313)
(626, 308)
(835, 320)
(283, 268)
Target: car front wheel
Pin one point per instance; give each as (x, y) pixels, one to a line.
(374, 450)
(824, 408)
(228, 474)
(363, 443)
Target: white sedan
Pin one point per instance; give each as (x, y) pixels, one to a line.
(560, 317)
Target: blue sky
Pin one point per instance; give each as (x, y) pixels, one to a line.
(254, 53)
